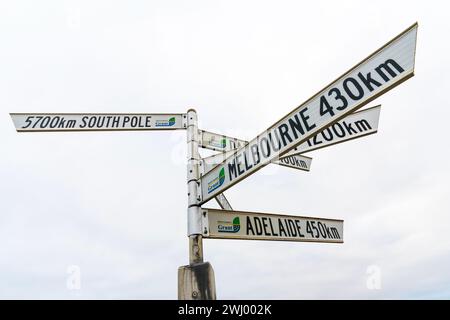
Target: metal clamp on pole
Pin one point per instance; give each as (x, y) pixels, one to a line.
(195, 281)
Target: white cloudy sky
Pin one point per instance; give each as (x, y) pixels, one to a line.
(114, 204)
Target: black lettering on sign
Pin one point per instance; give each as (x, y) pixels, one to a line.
(308, 126)
(262, 142)
(325, 107)
(271, 228)
(116, 121)
(62, 123)
(249, 226)
(54, 122)
(349, 128)
(84, 122)
(368, 81)
(287, 228)
(313, 226)
(134, 122)
(315, 141)
(328, 136)
(295, 125)
(272, 143)
(353, 88)
(327, 229)
(92, 121)
(232, 169)
(297, 224)
(238, 164)
(38, 119)
(126, 119)
(351, 93)
(363, 125)
(302, 164)
(292, 228)
(321, 230)
(386, 67)
(265, 226)
(71, 123)
(45, 122)
(247, 165)
(258, 226)
(339, 97)
(340, 133)
(283, 129)
(255, 154)
(101, 122)
(281, 228)
(309, 229)
(28, 122)
(108, 120)
(335, 233)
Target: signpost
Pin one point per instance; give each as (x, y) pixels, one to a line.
(383, 70)
(226, 224)
(327, 118)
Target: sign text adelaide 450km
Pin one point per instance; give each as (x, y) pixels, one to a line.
(227, 224)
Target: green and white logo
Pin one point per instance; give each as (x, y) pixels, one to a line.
(229, 226)
(217, 182)
(222, 143)
(165, 123)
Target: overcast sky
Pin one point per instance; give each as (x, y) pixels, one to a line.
(112, 205)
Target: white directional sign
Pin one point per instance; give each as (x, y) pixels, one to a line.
(225, 224)
(218, 142)
(293, 161)
(355, 125)
(383, 70)
(44, 122)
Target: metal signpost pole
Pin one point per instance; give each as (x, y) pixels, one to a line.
(193, 174)
(195, 281)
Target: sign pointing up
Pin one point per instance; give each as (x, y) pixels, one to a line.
(383, 70)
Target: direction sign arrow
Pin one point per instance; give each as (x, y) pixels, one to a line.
(295, 161)
(225, 224)
(383, 70)
(356, 125)
(45, 122)
(217, 142)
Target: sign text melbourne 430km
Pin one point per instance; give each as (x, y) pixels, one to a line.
(380, 72)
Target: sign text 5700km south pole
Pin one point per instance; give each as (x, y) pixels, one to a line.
(383, 70)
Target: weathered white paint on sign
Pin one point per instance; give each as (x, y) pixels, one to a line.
(386, 68)
(45, 122)
(225, 224)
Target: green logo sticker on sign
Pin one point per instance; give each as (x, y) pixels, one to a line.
(229, 226)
